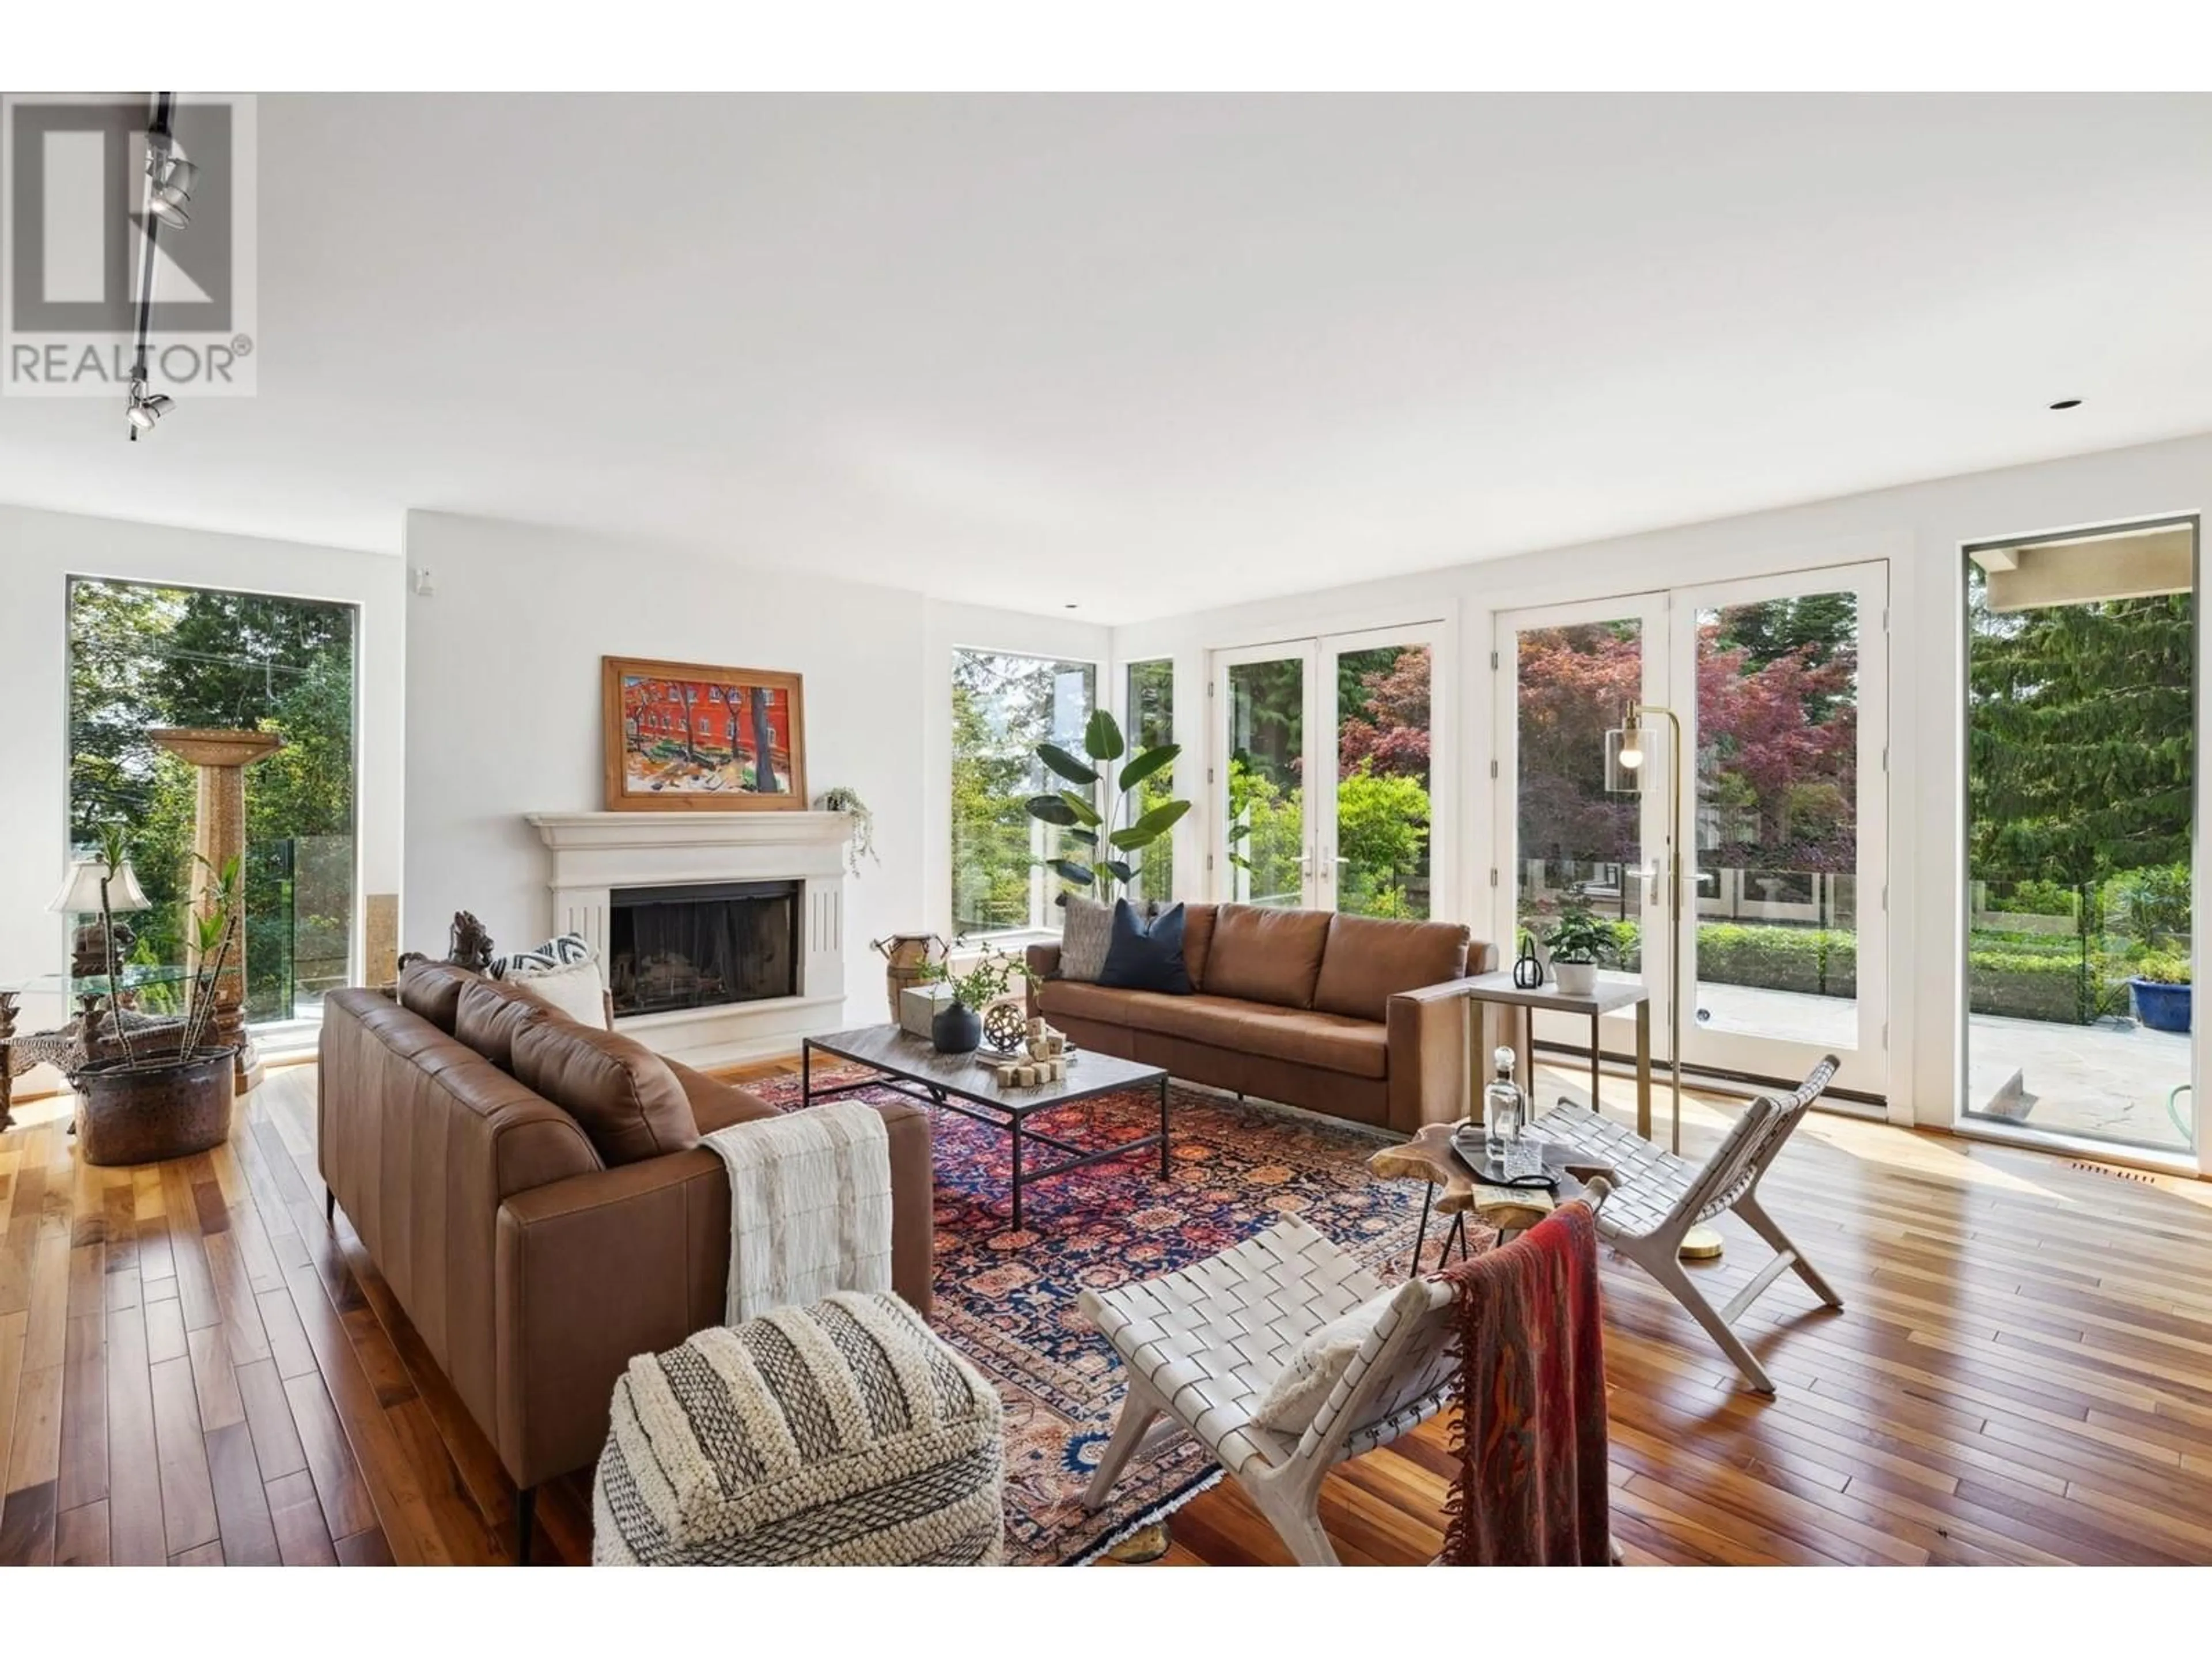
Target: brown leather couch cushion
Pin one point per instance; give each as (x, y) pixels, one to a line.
(1358, 1047)
(433, 989)
(491, 1014)
(1072, 998)
(1197, 940)
(624, 1094)
(716, 1105)
(1369, 961)
(1265, 956)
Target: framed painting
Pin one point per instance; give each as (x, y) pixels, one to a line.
(686, 737)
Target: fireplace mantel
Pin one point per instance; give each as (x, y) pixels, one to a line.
(595, 852)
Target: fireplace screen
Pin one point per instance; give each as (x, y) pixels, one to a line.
(697, 946)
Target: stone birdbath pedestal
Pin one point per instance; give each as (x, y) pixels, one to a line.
(218, 837)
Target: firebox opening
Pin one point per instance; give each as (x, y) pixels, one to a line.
(703, 945)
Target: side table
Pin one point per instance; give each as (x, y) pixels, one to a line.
(1500, 990)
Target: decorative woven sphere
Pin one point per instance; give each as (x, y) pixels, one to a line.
(1005, 1027)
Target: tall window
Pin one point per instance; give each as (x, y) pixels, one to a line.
(1003, 706)
(142, 657)
(1151, 701)
(2081, 832)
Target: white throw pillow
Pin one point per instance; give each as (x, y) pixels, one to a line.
(576, 990)
(561, 950)
(1295, 1398)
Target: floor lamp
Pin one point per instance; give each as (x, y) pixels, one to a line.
(1625, 752)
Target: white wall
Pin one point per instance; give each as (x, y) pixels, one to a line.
(1919, 529)
(503, 710)
(39, 552)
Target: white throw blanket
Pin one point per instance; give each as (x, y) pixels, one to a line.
(810, 1206)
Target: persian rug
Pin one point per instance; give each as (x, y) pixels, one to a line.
(1006, 1300)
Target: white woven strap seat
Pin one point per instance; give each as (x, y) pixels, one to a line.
(1203, 1345)
(1657, 1198)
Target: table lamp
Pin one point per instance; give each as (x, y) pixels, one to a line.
(80, 897)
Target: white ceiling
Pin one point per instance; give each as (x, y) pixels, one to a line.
(1149, 354)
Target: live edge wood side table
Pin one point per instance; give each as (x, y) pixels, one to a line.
(1498, 990)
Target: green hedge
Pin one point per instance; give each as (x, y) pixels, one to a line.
(2024, 976)
(1817, 961)
(2026, 985)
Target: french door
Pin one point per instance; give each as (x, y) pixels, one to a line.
(1328, 782)
(1779, 686)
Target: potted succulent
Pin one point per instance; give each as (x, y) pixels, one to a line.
(958, 1027)
(164, 1094)
(1579, 943)
(2161, 987)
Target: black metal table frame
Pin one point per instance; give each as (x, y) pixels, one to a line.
(993, 1114)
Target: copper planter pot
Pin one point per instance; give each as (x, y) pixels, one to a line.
(171, 1109)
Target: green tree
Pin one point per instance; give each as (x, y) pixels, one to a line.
(2081, 738)
(1267, 833)
(143, 656)
(1382, 843)
(1003, 706)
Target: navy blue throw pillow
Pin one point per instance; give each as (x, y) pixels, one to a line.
(1147, 956)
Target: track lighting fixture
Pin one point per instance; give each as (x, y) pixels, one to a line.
(146, 408)
(169, 181)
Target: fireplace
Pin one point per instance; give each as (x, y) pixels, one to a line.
(777, 952)
(703, 944)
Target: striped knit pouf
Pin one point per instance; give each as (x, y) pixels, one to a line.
(844, 1433)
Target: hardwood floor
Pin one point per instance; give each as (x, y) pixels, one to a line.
(195, 1369)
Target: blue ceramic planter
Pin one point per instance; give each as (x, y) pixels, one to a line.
(2161, 1007)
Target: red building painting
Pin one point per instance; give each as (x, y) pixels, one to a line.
(669, 721)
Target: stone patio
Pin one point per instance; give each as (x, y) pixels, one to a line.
(2072, 1079)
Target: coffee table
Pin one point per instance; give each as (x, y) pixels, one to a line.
(966, 1084)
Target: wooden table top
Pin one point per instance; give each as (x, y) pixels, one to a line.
(1430, 1156)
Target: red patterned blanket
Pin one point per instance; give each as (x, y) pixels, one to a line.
(1530, 1436)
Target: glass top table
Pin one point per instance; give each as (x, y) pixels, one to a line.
(138, 976)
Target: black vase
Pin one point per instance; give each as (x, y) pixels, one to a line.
(956, 1029)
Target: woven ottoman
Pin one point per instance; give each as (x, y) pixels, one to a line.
(844, 1433)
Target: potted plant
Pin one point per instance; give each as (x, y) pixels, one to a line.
(165, 1094)
(1077, 815)
(1579, 943)
(2160, 985)
(958, 1026)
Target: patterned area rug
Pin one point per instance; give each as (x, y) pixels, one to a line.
(1007, 1299)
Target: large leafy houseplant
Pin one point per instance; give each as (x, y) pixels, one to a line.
(1106, 833)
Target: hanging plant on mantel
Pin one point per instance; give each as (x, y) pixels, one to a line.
(863, 841)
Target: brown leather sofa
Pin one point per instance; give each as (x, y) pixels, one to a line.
(1347, 1015)
(534, 1192)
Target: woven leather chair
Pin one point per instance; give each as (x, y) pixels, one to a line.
(1658, 1197)
(1201, 1346)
